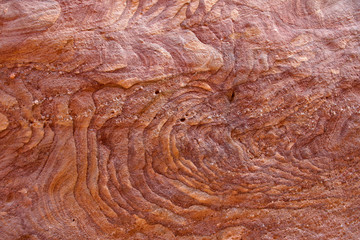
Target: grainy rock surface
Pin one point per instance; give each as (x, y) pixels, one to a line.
(179, 119)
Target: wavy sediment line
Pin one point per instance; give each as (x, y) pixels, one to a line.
(179, 120)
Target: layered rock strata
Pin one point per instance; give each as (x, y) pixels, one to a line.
(179, 119)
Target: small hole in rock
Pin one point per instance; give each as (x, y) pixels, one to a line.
(231, 96)
(73, 220)
(182, 119)
(157, 92)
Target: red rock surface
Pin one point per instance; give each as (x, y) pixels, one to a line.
(179, 119)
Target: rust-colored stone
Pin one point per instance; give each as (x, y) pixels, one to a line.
(179, 119)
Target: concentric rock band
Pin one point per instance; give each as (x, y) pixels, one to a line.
(179, 119)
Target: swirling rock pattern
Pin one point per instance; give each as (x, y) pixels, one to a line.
(179, 119)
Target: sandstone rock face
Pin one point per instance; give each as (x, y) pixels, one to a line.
(179, 119)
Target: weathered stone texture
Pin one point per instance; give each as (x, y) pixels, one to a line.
(179, 119)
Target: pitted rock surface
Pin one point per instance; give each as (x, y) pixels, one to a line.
(179, 119)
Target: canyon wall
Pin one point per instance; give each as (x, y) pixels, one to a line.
(179, 119)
